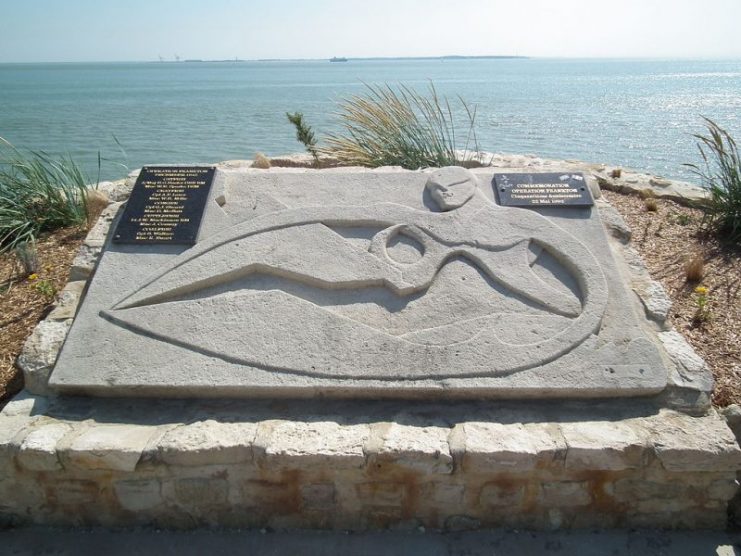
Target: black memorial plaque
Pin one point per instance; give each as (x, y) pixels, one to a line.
(564, 189)
(165, 206)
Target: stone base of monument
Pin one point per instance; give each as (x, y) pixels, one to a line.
(344, 466)
(633, 444)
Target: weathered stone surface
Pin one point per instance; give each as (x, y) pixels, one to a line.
(565, 494)
(691, 370)
(97, 235)
(655, 300)
(38, 451)
(138, 494)
(201, 492)
(67, 301)
(501, 495)
(85, 261)
(513, 447)
(732, 414)
(11, 432)
(208, 443)
(318, 496)
(116, 191)
(315, 444)
(40, 352)
(598, 445)
(116, 447)
(25, 404)
(365, 283)
(614, 222)
(422, 448)
(685, 443)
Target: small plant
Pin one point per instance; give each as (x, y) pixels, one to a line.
(702, 309)
(679, 218)
(304, 134)
(695, 268)
(720, 173)
(261, 162)
(387, 127)
(95, 202)
(38, 193)
(28, 257)
(651, 204)
(45, 288)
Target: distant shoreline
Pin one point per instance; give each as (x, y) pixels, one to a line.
(349, 59)
(254, 60)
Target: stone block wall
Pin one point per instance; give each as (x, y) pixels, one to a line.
(665, 470)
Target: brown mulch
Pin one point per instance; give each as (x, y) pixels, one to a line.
(667, 240)
(25, 300)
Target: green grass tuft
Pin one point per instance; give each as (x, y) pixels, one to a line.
(387, 127)
(38, 193)
(720, 173)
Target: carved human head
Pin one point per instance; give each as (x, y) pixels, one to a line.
(451, 187)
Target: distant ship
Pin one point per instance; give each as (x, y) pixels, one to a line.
(336, 59)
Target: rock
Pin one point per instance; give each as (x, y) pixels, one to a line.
(40, 352)
(694, 444)
(656, 301)
(111, 447)
(38, 451)
(315, 445)
(732, 414)
(208, 442)
(515, 447)
(660, 182)
(84, 263)
(67, 301)
(25, 404)
(421, 448)
(614, 223)
(692, 370)
(603, 445)
(118, 190)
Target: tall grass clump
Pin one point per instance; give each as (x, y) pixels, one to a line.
(402, 127)
(720, 173)
(38, 193)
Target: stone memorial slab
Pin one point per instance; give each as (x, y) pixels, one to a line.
(566, 189)
(166, 206)
(365, 284)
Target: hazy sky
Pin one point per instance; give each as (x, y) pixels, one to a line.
(92, 30)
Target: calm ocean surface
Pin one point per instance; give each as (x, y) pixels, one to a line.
(638, 114)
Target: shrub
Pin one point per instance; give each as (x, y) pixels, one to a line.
(695, 268)
(38, 193)
(261, 162)
(399, 127)
(720, 173)
(304, 134)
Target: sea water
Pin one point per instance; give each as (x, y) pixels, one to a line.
(630, 113)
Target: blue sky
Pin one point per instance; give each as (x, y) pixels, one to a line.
(114, 30)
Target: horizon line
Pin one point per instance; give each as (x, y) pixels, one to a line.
(371, 58)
